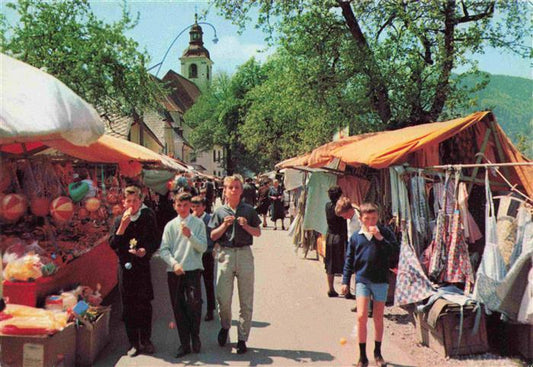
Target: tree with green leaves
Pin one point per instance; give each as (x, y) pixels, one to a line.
(394, 57)
(216, 116)
(96, 60)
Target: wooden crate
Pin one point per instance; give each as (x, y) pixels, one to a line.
(444, 337)
(521, 339)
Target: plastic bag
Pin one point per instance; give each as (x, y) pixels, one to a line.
(28, 320)
(24, 269)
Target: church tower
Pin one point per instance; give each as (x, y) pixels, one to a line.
(195, 62)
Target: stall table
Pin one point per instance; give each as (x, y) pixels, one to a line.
(99, 265)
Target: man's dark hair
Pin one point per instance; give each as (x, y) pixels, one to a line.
(183, 196)
(199, 200)
(334, 193)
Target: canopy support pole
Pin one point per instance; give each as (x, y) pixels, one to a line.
(479, 158)
(499, 146)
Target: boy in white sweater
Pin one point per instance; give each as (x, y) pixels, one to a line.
(183, 244)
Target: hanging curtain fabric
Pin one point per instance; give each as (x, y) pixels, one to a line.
(458, 267)
(491, 270)
(412, 284)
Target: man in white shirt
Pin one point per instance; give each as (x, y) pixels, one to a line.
(183, 244)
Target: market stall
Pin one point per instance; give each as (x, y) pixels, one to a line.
(460, 197)
(31, 113)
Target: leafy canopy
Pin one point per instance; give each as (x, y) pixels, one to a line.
(95, 59)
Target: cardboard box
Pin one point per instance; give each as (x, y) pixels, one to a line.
(443, 337)
(89, 343)
(39, 350)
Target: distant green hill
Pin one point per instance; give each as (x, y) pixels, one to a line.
(511, 100)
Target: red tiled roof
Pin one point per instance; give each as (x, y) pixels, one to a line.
(183, 92)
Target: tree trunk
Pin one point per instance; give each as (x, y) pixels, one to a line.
(379, 98)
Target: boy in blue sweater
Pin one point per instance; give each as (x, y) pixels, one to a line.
(368, 255)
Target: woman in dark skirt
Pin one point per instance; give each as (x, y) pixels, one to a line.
(263, 201)
(277, 209)
(336, 238)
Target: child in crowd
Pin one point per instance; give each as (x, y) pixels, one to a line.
(199, 205)
(368, 255)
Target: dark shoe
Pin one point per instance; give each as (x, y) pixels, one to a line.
(349, 296)
(353, 309)
(134, 351)
(209, 315)
(241, 347)
(148, 348)
(380, 362)
(196, 344)
(282, 228)
(222, 336)
(362, 364)
(183, 351)
(333, 294)
(264, 225)
(275, 228)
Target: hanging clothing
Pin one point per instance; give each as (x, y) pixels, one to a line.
(507, 226)
(458, 267)
(471, 230)
(412, 284)
(491, 270)
(525, 313)
(524, 233)
(448, 256)
(511, 290)
(434, 257)
(317, 197)
(354, 188)
(420, 208)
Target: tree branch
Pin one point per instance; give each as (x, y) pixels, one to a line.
(489, 11)
(378, 90)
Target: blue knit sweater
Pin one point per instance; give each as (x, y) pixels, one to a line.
(369, 259)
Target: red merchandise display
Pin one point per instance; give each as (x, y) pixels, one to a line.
(99, 265)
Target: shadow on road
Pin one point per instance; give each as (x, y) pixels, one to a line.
(258, 324)
(256, 357)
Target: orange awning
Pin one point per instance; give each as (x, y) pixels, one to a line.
(108, 149)
(387, 148)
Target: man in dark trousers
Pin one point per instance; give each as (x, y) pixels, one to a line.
(183, 244)
(134, 238)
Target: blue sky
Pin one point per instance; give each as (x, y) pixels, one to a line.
(161, 21)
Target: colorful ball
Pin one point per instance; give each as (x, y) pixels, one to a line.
(14, 206)
(83, 213)
(92, 204)
(40, 206)
(62, 209)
